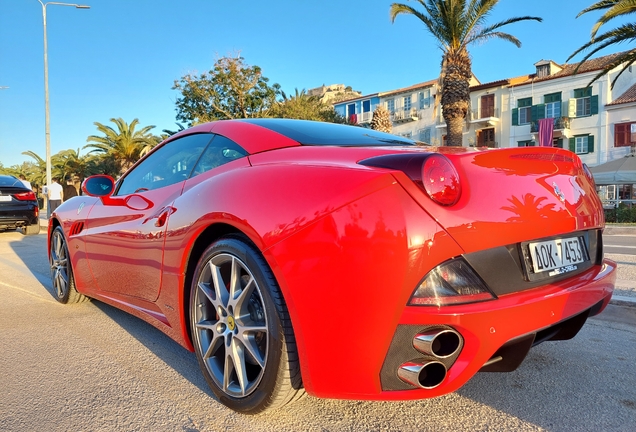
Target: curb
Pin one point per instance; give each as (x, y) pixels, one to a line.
(619, 230)
(623, 301)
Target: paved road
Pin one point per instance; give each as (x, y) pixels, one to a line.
(620, 244)
(91, 367)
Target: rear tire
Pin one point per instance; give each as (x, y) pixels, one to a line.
(241, 330)
(61, 270)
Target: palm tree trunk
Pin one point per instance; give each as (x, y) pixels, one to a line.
(456, 74)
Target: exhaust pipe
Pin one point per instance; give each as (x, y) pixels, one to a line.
(426, 375)
(439, 343)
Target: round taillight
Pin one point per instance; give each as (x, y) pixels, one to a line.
(440, 180)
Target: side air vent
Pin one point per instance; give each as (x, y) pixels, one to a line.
(77, 228)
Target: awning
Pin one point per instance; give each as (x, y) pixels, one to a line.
(619, 171)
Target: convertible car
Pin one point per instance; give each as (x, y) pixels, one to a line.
(295, 256)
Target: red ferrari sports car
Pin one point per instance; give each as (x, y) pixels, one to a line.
(296, 256)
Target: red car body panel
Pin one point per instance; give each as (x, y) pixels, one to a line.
(348, 244)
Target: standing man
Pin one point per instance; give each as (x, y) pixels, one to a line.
(55, 194)
(69, 189)
(25, 181)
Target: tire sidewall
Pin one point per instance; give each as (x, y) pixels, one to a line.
(69, 271)
(259, 399)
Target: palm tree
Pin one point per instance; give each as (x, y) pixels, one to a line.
(623, 33)
(124, 144)
(76, 165)
(456, 24)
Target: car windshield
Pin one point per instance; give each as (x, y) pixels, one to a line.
(321, 133)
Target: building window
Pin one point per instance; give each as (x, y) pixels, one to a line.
(580, 144)
(607, 193)
(425, 99)
(425, 135)
(623, 134)
(366, 106)
(351, 109)
(407, 103)
(553, 110)
(583, 107)
(487, 108)
(407, 134)
(525, 110)
(583, 101)
(390, 105)
(552, 105)
(526, 143)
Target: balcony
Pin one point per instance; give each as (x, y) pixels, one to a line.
(487, 116)
(402, 115)
(561, 127)
(361, 118)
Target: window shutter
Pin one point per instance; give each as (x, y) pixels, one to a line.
(559, 143)
(572, 108)
(590, 144)
(572, 145)
(515, 116)
(594, 104)
(538, 112)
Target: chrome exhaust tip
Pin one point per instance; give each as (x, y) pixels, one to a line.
(438, 343)
(426, 375)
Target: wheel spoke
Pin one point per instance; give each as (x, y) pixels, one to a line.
(239, 301)
(220, 289)
(237, 354)
(248, 338)
(217, 340)
(209, 293)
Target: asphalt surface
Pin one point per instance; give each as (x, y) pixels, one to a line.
(92, 367)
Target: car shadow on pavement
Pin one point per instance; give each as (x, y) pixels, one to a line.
(582, 380)
(174, 355)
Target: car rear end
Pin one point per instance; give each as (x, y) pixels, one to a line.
(529, 225)
(18, 205)
(461, 262)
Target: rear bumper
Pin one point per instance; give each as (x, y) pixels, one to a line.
(486, 330)
(25, 215)
(547, 313)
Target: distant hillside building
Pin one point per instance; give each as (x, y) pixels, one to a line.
(333, 92)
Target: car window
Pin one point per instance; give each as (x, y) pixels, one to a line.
(170, 164)
(220, 151)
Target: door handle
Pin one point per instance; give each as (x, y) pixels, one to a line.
(163, 217)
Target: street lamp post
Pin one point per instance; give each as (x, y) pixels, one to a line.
(47, 131)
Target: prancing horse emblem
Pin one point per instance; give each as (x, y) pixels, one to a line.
(558, 193)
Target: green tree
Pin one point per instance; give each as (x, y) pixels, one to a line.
(124, 145)
(73, 164)
(304, 107)
(456, 24)
(623, 33)
(231, 89)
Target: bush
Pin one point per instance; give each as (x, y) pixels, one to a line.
(622, 214)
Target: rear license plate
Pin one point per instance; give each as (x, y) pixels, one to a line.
(558, 256)
(5, 197)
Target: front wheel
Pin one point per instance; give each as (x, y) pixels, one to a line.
(61, 270)
(241, 330)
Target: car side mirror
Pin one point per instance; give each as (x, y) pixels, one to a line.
(103, 186)
(99, 185)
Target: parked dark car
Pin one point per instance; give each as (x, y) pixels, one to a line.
(18, 206)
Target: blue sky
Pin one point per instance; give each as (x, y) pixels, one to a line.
(121, 57)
